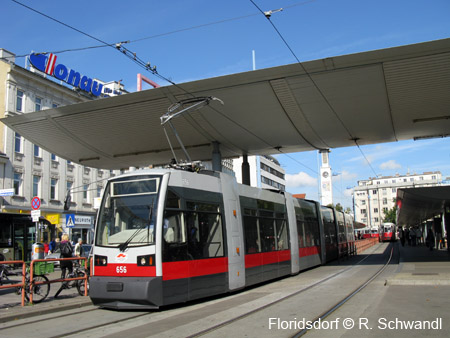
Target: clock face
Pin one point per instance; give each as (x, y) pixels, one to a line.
(325, 174)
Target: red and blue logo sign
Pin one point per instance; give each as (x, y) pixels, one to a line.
(48, 65)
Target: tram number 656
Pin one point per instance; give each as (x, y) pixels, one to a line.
(121, 269)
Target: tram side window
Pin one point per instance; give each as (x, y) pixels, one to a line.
(267, 234)
(192, 234)
(282, 236)
(205, 235)
(251, 232)
(175, 238)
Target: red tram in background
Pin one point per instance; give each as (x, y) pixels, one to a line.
(166, 236)
(388, 232)
(371, 232)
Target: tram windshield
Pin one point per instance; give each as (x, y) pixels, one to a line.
(128, 212)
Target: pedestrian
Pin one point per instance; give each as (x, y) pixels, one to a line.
(78, 248)
(57, 245)
(66, 252)
(430, 239)
(51, 246)
(419, 236)
(46, 248)
(412, 234)
(407, 236)
(401, 234)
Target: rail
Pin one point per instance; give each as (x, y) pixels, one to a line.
(20, 285)
(59, 280)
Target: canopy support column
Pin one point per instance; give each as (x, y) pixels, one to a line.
(216, 157)
(245, 170)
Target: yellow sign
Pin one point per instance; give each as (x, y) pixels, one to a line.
(53, 218)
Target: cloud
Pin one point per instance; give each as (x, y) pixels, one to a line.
(344, 176)
(390, 165)
(301, 179)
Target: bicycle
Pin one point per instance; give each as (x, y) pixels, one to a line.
(40, 291)
(79, 284)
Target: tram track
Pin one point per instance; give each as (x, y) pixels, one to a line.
(320, 282)
(339, 304)
(73, 315)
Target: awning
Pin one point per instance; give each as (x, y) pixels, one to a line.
(419, 204)
(379, 96)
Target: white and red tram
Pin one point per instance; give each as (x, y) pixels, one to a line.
(169, 236)
(387, 232)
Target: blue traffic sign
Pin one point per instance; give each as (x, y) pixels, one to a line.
(70, 220)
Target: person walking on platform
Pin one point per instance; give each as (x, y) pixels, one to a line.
(430, 239)
(407, 236)
(66, 252)
(401, 234)
(412, 235)
(418, 236)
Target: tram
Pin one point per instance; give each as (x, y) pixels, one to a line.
(166, 236)
(387, 232)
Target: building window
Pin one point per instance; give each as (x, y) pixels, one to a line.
(37, 104)
(18, 184)
(421, 178)
(53, 157)
(36, 151)
(384, 200)
(374, 192)
(385, 210)
(36, 185)
(375, 210)
(19, 101)
(363, 211)
(411, 179)
(363, 202)
(99, 191)
(394, 190)
(433, 177)
(375, 219)
(378, 182)
(384, 191)
(53, 189)
(17, 143)
(85, 192)
(54, 105)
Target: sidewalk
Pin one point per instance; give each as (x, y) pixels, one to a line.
(420, 266)
(11, 309)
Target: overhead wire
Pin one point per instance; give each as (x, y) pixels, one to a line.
(146, 65)
(267, 15)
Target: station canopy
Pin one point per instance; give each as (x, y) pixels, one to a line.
(379, 96)
(416, 205)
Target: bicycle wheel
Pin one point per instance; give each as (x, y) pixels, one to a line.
(80, 284)
(40, 292)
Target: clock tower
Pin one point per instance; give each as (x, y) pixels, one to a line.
(326, 192)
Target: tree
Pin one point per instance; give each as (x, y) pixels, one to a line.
(390, 216)
(338, 206)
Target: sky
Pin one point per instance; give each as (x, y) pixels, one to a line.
(198, 39)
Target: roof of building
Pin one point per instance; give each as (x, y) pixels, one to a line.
(366, 98)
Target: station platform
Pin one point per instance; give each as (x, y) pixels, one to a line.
(420, 266)
(417, 266)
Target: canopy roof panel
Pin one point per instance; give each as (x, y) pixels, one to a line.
(379, 96)
(417, 205)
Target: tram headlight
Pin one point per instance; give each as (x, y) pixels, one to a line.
(147, 260)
